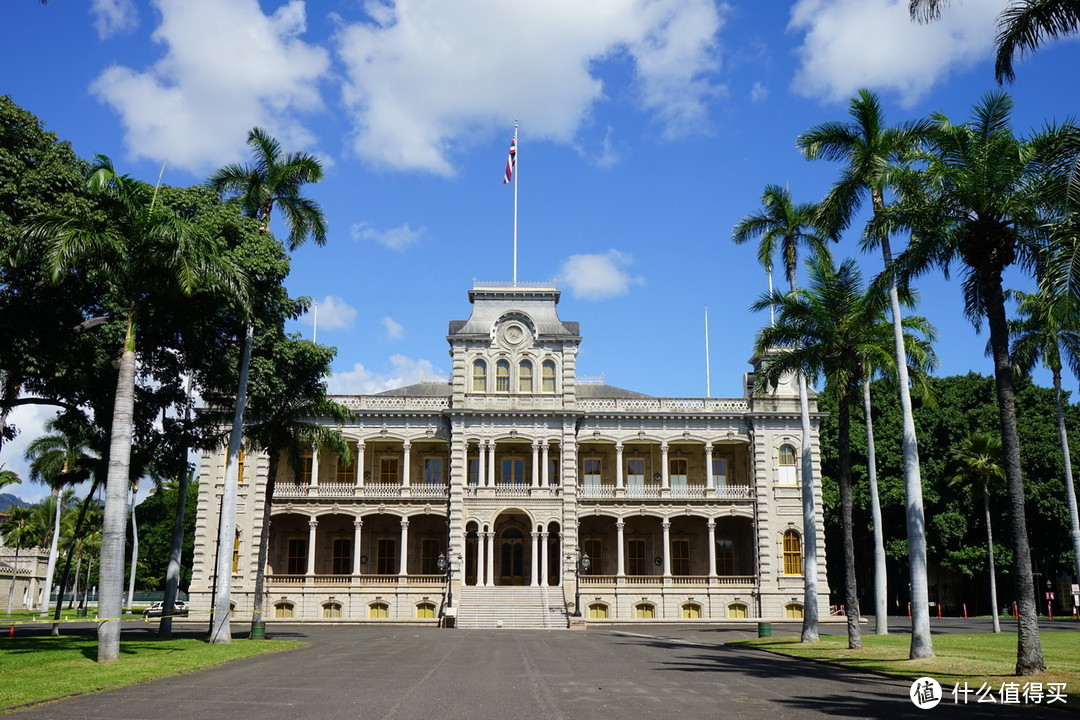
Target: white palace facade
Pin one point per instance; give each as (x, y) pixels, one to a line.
(516, 494)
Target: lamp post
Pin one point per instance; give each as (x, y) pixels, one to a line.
(582, 563)
(446, 567)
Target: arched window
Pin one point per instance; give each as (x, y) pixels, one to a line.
(331, 610)
(479, 376)
(793, 610)
(598, 611)
(548, 379)
(284, 610)
(691, 611)
(792, 553)
(378, 610)
(502, 376)
(525, 376)
(736, 610)
(425, 611)
(785, 462)
(644, 611)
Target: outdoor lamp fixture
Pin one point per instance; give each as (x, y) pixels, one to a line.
(443, 563)
(583, 563)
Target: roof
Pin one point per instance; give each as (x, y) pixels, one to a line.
(421, 389)
(600, 390)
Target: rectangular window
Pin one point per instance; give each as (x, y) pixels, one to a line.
(553, 470)
(725, 557)
(306, 466)
(430, 548)
(433, 471)
(386, 562)
(594, 548)
(296, 563)
(637, 559)
(474, 471)
(388, 470)
(240, 466)
(680, 556)
(720, 471)
(236, 553)
(635, 472)
(343, 556)
(591, 471)
(677, 472)
(513, 471)
(346, 471)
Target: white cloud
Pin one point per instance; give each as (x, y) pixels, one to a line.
(398, 238)
(361, 381)
(598, 276)
(227, 67)
(30, 420)
(850, 44)
(394, 329)
(334, 313)
(758, 93)
(113, 17)
(424, 74)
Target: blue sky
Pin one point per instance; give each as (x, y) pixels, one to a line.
(648, 128)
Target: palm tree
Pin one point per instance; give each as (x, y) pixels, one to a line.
(1047, 331)
(979, 458)
(1022, 27)
(144, 248)
(874, 155)
(833, 329)
(275, 179)
(782, 227)
(19, 531)
(984, 212)
(58, 460)
(8, 477)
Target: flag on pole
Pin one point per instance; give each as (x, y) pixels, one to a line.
(511, 161)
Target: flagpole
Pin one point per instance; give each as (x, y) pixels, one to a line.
(515, 201)
(315, 321)
(708, 377)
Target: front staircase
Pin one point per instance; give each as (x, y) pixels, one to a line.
(511, 607)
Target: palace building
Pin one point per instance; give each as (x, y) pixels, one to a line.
(517, 494)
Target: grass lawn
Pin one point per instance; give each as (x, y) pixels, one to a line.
(38, 668)
(974, 658)
(20, 617)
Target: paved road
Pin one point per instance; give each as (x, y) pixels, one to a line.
(627, 672)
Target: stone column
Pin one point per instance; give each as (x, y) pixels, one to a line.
(403, 568)
(711, 525)
(620, 526)
(618, 467)
(491, 464)
(360, 447)
(312, 525)
(481, 465)
(491, 558)
(544, 562)
(665, 469)
(545, 476)
(357, 526)
(535, 578)
(710, 481)
(314, 465)
(535, 465)
(406, 466)
(481, 558)
(666, 525)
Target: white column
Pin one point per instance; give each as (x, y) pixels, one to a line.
(618, 466)
(535, 581)
(665, 478)
(312, 524)
(481, 557)
(535, 465)
(667, 547)
(619, 527)
(360, 464)
(405, 466)
(490, 558)
(357, 526)
(403, 569)
(710, 481)
(712, 548)
(545, 476)
(314, 465)
(491, 464)
(481, 469)
(544, 562)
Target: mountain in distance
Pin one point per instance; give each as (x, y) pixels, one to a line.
(8, 500)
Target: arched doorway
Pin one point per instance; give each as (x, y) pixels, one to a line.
(512, 557)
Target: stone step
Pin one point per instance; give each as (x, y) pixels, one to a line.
(511, 607)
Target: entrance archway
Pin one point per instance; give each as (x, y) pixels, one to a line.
(511, 557)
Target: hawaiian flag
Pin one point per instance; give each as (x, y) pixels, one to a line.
(511, 161)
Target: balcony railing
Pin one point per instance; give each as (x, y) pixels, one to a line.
(680, 580)
(351, 580)
(665, 405)
(682, 492)
(368, 490)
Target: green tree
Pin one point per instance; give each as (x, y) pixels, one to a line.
(275, 179)
(979, 460)
(19, 531)
(1022, 27)
(157, 514)
(8, 477)
(984, 212)
(875, 157)
(1047, 332)
(144, 246)
(781, 227)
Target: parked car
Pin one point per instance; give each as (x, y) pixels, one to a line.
(155, 609)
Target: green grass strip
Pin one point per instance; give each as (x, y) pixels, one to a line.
(36, 669)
